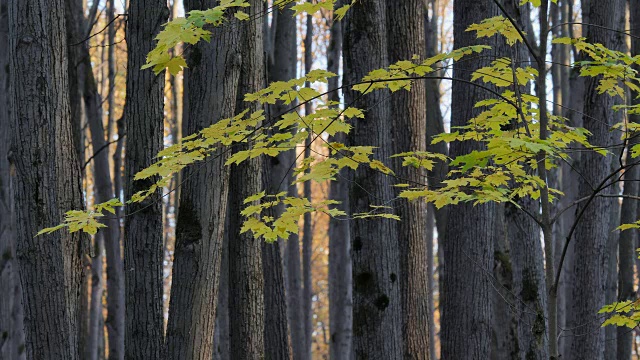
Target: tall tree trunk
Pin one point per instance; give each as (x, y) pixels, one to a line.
(47, 178)
(221, 333)
(104, 191)
(246, 310)
(307, 230)
(504, 334)
(465, 321)
(340, 294)
(405, 29)
(628, 213)
(591, 234)
(11, 311)
(282, 64)
(377, 321)
(96, 320)
(144, 113)
(212, 80)
(435, 125)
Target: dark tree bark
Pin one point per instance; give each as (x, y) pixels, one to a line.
(144, 114)
(435, 125)
(212, 81)
(221, 333)
(405, 31)
(246, 308)
(468, 249)
(11, 311)
(282, 67)
(591, 234)
(280, 45)
(504, 332)
(307, 229)
(377, 321)
(628, 213)
(340, 294)
(47, 178)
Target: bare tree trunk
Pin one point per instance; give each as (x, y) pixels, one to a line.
(377, 321)
(246, 309)
(340, 294)
(221, 334)
(11, 311)
(212, 80)
(504, 334)
(144, 113)
(280, 45)
(591, 234)
(96, 320)
(405, 29)
(628, 213)
(468, 250)
(307, 230)
(282, 67)
(48, 178)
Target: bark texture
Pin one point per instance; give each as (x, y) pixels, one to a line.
(246, 309)
(628, 213)
(340, 291)
(47, 181)
(405, 29)
(282, 65)
(144, 114)
(11, 312)
(592, 232)
(377, 321)
(212, 81)
(468, 249)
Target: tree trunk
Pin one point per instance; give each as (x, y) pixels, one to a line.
(47, 178)
(96, 320)
(591, 233)
(144, 113)
(340, 294)
(377, 321)
(221, 333)
(11, 311)
(212, 80)
(628, 213)
(246, 309)
(307, 230)
(504, 334)
(468, 249)
(280, 45)
(405, 29)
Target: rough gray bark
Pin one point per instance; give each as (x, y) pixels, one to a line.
(246, 310)
(468, 249)
(144, 114)
(588, 288)
(96, 320)
(47, 178)
(307, 229)
(104, 191)
(435, 126)
(504, 334)
(340, 294)
(282, 64)
(377, 321)
(405, 36)
(628, 213)
(528, 280)
(221, 334)
(11, 311)
(212, 80)
(282, 67)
